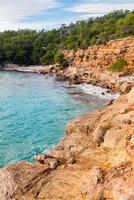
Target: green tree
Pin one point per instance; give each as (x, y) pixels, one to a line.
(125, 27)
(2, 58)
(28, 47)
(47, 59)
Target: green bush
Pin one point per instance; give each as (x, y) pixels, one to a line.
(60, 59)
(118, 66)
(47, 58)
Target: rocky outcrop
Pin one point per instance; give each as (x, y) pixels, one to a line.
(102, 56)
(93, 65)
(95, 160)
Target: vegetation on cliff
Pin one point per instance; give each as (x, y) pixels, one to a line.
(119, 65)
(29, 47)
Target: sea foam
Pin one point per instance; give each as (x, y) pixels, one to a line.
(98, 91)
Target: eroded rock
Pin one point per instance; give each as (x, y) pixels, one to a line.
(51, 161)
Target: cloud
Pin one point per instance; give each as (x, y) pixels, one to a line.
(14, 11)
(38, 25)
(36, 14)
(101, 7)
(32, 25)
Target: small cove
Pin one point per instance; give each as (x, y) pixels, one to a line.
(34, 111)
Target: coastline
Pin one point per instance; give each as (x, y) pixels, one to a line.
(116, 84)
(24, 69)
(95, 158)
(92, 66)
(92, 89)
(91, 162)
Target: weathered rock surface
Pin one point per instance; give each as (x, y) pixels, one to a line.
(93, 65)
(95, 161)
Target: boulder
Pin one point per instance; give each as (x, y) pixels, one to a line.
(51, 161)
(112, 138)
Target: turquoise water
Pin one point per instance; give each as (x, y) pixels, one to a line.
(34, 111)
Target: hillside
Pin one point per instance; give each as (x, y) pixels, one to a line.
(29, 47)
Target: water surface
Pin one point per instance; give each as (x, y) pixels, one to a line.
(34, 111)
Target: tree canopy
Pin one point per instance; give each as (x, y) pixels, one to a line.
(29, 47)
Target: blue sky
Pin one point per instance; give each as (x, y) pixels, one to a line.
(47, 14)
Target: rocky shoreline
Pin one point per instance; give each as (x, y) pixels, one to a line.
(118, 83)
(92, 66)
(95, 159)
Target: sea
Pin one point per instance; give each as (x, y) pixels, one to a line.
(34, 112)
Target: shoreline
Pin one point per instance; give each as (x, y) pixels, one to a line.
(90, 161)
(76, 93)
(24, 69)
(117, 84)
(104, 92)
(95, 159)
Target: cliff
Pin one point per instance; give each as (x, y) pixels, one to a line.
(95, 160)
(93, 65)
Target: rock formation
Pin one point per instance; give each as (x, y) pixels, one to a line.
(93, 65)
(94, 161)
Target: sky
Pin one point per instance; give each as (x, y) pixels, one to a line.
(48, 14)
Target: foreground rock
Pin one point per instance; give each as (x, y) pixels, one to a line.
(95, 161)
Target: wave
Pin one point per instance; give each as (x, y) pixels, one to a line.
(98, 91)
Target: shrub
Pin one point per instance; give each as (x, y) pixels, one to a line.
(60, 59)
(118, 66)
(47, 58)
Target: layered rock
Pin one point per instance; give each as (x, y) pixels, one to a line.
(95, 160)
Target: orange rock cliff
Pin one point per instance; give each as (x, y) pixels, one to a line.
(92, 65)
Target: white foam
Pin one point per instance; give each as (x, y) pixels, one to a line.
(126, 78)
(98, 91)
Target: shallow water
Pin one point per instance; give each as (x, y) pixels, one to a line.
(34, 111)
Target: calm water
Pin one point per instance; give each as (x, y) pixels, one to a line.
(34, 111)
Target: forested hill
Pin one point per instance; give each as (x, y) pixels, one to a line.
(29, 47)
